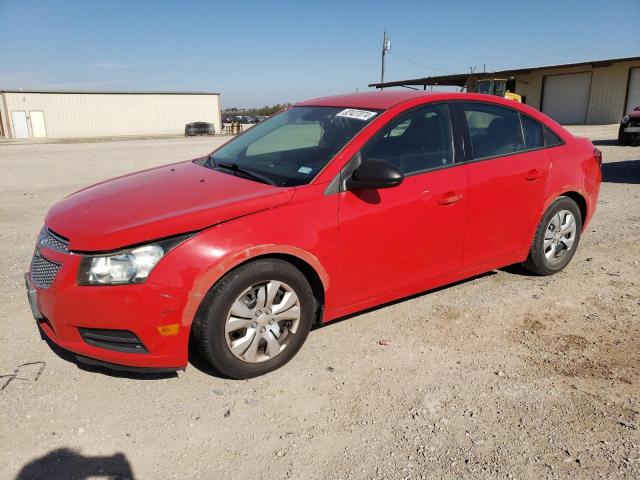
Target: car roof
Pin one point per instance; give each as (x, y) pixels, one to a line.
(376, 99)
(385, 100)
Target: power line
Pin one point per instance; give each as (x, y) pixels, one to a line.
(429, 67)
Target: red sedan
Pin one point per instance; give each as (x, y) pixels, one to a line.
(330, 207)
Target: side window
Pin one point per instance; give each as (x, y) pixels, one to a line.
(551, 138)
(533, 132)
(494, 130)
(416, 141)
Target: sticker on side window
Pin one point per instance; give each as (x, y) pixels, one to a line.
(356, 114)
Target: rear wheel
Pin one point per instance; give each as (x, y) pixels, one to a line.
(556, 238)
(255, 319)
(623, 138)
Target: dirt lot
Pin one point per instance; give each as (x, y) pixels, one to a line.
(502, 376)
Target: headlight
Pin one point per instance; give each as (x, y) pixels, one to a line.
(625, 119)
(127, 266)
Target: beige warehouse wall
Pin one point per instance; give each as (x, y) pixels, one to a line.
(69, 115)
(608, 89)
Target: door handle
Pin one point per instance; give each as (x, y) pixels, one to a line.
(449, 198)
(533, 174)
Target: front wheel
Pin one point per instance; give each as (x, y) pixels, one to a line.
(556, 239)
(623, 138)
(255, 319)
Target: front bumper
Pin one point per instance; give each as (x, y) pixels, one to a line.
(64, 308)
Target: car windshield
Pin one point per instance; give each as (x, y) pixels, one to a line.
(291, 147)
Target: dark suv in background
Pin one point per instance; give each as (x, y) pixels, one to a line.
(630, 127)
(199, 128)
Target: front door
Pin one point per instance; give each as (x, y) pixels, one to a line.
(394, 238)
(507, 179)
(20, 128)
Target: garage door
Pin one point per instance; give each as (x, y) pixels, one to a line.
(566, 97)
(633, 94)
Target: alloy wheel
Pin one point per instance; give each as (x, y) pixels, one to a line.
(261, 321)
(560, 236)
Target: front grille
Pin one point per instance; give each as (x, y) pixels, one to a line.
(43, 270)
(116, 340)
(50, 239)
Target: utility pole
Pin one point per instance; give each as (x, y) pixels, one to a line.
(386, 45)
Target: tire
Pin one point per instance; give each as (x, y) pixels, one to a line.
(538, 261)
(624, 139)
(211, 322)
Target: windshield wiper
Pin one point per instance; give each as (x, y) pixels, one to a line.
(237, 169)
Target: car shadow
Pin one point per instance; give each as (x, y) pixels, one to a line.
(613, 142)
(627, 171)
(518, 269)
(67, 464)
(201, 364)
(403, 299)
(71, 358)
(605, 143)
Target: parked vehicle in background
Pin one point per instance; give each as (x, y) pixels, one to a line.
(330, 207)
(199, 128)
(500, 87)
(630, 127)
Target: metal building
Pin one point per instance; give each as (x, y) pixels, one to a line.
(60, 114)
(596, 92)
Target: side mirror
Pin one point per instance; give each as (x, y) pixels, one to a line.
(374, 174)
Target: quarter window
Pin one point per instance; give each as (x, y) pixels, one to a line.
(551, 138)
(494, 130)
(417, 141)
(533, 133)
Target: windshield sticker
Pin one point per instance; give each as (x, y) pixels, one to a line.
(306, 170)
(356, 114)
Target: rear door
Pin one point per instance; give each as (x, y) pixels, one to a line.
(397, 237)
(507, 172)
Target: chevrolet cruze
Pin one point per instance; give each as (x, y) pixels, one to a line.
(332, 206)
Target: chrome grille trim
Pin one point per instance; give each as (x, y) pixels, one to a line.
(43, 271)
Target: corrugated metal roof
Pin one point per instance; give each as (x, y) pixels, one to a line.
(109, 92)
(460, 79)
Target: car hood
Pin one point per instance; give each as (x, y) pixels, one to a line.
(157, 203)
(634, 114)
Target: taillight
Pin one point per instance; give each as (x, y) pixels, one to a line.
(597, 154)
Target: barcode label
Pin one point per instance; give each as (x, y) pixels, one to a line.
(356, 114)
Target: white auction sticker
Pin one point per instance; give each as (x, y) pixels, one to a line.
(355, 113)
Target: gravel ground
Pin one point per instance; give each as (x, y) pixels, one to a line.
(502, 376)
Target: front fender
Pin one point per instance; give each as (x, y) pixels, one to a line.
(306, 230)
